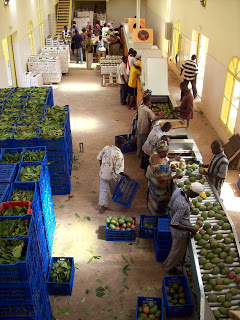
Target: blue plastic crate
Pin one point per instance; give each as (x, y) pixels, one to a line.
(15, 292)
(238, 183)
(177, 310)
(61, 289)
(8, 143)
(27, 142)
(57, 156)
(22, 272)
(27, 217)
(14, 310)
(35, 164)
(35, 149)
(61, 189)
(145, 300)
(59, 179)
(4, 189)
(125, 192)
(164, 236)
(121, 235)
(160, 252)
(25, 186)
(129, 145)
(58, 168)
(8, 172)
(11, 151)
(54, 144)
(146, 232)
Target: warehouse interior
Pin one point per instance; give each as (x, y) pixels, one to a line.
(96, 117)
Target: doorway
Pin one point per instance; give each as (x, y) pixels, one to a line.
(9, 60)
(199, 46)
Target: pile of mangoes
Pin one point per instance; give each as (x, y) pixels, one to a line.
(121, 224)
(149, 311)
(163, 110)
(176, 295)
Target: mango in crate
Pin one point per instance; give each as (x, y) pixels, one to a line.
(120, 224)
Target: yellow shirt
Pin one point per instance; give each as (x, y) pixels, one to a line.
(132, 82)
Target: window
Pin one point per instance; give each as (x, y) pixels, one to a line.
(176, 46)
(40, 21)
(168, 15)
(231, 96)
(32, 37)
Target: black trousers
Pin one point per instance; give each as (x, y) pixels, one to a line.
(123, 94)
(145, 161)
(194, 88)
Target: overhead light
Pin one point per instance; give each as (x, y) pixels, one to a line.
(6, 2)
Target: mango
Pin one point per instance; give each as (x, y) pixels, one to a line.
(227, 240)
(215, 260)
(232, 253)
(202, 261)
(208, 288)
(233, 291)
(201, 242)
(223, 311)
(226, 281)
(207, 225)
(219, 280)
(221, 299)
(218, 288)
(197, 236)
(187, 182)
(203, 252)
(215, 227)
(208, 266)
(217, 314)
(211, 214)
(226, 226)
(206, 277)
(215, 271)
(153, 309)
(212, 298)
(182, 301)
(195, 211)
(229, 260)
(209, 232)
(225, 271)
(212, 282)
(210, 255)
(112, 226)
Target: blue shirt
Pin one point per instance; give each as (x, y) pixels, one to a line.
(77, 39)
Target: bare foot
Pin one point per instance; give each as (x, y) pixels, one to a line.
(102, 209)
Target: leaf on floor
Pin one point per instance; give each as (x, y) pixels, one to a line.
(87, 218)
(124, 280)
(77, 216)
(121, 298)
(109, 289)
(94, 202)
(88, 291)
(91, 250)
(116, 120)
(90, 260)
(67, 314)
(93, 192)
(137, 243)
(125, 259)
(125, 269)
(97, 257)
(83, 299)
(75, 177)
(76, 265)
(70, 300)
(140, 247)
(98, 165)
(77, 182)
(126, 286)
(88, 313)
(99, 280)
(62, 206)
(136, 292)
(57, 226)
(131, 259)
(148, 288)
(103, 238)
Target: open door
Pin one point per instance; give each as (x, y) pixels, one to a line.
(9, 60)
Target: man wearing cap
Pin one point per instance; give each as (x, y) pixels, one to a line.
(181, 227)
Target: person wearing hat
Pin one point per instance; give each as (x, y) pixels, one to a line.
(181, 227)
(135, 71)
(160, 179)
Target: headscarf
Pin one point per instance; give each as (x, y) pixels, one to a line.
(161, 146)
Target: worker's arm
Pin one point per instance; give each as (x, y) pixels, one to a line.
(123, 79)
(186, 228)
(163, 179)
(212, 175)
(203, 165)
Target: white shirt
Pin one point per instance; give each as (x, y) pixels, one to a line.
(105, 31)
(152, 139)
(130, 63)
(145, 115)
(122, 71)
(112, 162)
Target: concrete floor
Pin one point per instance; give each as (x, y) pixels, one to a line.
(96, 118)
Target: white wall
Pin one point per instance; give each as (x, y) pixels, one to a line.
(3, 78)
(219, 22)
(117, 10)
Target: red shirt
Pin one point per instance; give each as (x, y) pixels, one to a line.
(187, 104)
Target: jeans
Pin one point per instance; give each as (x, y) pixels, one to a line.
(194, 88)
(123, 94)
(79, 51)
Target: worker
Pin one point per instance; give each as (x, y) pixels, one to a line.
(131, 60)
(65, 33)
(73, 28)
(190, 68)
(156, 133)
(186, 107)
(132, 84)
(218, 166)
(180, 225)
(145, 115)
(77, 39)
(122, 78)
(89, 51)
(111, 166)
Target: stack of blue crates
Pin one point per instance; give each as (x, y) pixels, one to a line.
(31, 107)
(30, 282)
(162, 239)
(59, 154)
(23, 286)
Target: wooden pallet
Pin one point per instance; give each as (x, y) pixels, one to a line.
(109, 80)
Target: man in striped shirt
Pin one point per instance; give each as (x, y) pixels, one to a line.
(190, 68)
(218, 166)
